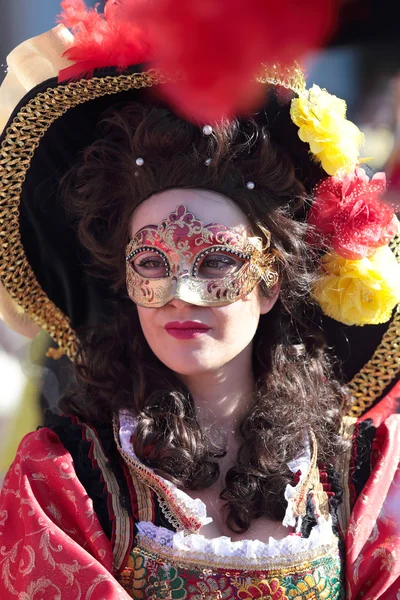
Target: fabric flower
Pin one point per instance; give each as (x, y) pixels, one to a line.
(322, 123)
(359, 292)
(264, 589)
(348, 211)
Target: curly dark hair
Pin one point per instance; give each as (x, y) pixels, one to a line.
(117, 370)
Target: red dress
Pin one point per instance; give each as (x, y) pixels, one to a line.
(57, 541)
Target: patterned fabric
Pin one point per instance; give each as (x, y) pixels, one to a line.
(373, 536)
(149, 576)
(51, 542)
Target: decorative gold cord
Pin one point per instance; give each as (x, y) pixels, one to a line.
(21, 139)
(382, 368)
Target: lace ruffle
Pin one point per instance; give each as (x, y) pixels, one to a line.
(249, 550)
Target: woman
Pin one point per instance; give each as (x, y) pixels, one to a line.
(204, 451)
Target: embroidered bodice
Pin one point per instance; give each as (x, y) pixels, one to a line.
(166, 564)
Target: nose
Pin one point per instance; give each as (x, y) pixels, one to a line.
(178, 303)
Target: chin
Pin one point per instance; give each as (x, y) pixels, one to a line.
(188, 366)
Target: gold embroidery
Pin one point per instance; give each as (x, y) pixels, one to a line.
(291, 78)
(388, 558)
(143, 495)
(133, 577)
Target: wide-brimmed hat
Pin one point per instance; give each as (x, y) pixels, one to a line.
(46, 124)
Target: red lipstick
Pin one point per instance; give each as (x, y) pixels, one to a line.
(186, 330)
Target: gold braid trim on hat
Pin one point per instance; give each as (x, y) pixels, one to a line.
(22, 137)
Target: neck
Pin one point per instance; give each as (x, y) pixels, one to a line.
(222, 397)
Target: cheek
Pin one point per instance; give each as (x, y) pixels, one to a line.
(147, 319)
(239, 321)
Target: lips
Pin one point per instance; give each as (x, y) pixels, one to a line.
(186, 330)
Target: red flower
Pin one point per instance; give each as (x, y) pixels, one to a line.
(349, 213)
(101, 39)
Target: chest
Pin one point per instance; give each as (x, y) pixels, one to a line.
(261, 529)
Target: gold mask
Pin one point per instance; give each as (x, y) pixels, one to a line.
(206, 265)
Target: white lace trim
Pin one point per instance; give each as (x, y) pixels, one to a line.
(249, 550)
(128, 424)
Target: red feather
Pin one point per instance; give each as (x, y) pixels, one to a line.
(102, 40)
(216, 45)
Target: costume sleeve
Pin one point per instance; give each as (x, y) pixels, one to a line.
(373, 535)
(51, 542)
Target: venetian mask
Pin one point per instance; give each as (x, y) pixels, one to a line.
(205, 265)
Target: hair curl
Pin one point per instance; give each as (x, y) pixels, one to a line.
(117, 369)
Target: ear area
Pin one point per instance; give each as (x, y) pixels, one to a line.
(268, 302)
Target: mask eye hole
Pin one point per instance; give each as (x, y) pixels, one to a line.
(151, 264)
(217, 264)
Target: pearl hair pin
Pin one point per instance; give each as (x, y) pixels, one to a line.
(207, 130)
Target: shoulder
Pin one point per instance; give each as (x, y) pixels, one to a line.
(48, 524)
(43, 469)
(42, 491)
(40, 454)
(373, 544)
(97, 463)
(375, 440)
(69, 457)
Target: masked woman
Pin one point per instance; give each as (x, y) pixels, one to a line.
(214, 443)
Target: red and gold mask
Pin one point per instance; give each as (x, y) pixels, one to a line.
(206, 265)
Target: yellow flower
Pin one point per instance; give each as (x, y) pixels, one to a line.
(359, 292)
(322, 123)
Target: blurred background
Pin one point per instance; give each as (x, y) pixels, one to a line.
(361, 64)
